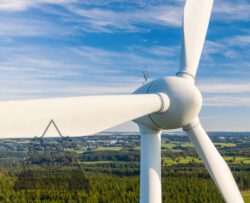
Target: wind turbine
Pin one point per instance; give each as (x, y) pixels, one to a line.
(165, 103)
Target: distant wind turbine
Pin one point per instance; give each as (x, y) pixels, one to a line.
(165, 103)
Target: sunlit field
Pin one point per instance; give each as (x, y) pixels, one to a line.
(106, 169)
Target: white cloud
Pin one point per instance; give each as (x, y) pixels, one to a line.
(225, 93)
(104, 20)
(62, 71)
(239, 40)
(96, 17)
(22, 5)
(226, 46)
(131, 59)
(225, 88)
(158, 51)
(228, 11)
(101, 19)
(13, 5)
(27, 27)
(45, 89)
(227, 101)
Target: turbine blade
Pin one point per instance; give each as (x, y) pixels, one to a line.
(215, 164)
(195, 24)
(75, 116)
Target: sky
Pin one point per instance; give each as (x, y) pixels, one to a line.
(58, 48)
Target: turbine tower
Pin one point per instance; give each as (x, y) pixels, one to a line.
(165, 103)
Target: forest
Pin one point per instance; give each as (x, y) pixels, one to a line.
(103, 169)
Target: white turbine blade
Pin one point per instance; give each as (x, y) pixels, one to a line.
(195, 24)
(150, 177)
(73, 116)
(215, 164)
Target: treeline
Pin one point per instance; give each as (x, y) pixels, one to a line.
(113, 189)
(113, 176)
(110, 156)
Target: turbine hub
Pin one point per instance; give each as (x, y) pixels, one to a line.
(185, 103)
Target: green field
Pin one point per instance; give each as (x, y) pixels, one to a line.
(113, 171)
(96, 162)
(222, 144)
(238, 160)
(180, 160)
(246, 196)
(108, 149)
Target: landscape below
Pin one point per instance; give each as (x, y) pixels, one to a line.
(105, 169)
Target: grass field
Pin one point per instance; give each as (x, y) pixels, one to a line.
(238, 159)
(225, 144)
(246, 196)
(96, 162)
(176, 144)
(108, 149)
(172, 146)
(100, 149)
(185, 160)
(180, 160)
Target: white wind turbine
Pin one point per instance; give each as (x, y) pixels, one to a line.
(165, 103)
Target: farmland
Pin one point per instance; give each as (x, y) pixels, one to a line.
(110, 166)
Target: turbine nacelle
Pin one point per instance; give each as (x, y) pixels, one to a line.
(184, 103)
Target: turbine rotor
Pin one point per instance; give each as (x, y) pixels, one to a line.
(185, 103)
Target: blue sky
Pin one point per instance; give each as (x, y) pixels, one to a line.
(69, 48)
